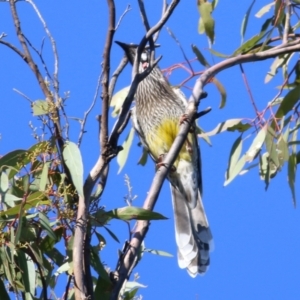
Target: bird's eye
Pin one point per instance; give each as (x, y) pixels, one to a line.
(144, 57)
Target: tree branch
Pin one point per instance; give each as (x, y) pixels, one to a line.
(81, 253)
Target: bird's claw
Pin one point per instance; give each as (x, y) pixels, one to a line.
(160, 163)
(184, 118)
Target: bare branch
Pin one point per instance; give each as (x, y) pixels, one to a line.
(40, 56)
(15, 49)
(83, 287)
(54, 49)
(128, 8)
(86, 113)
(116, 74)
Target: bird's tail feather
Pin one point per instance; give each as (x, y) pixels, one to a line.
(192, 232)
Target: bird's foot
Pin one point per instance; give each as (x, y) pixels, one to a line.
(184, 118)
(161, 163)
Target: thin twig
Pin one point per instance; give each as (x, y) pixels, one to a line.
(40, 56)
(116, 74)
(54, 49)
(128, 8)
(15, 49)
(86, 113)
(182, 51)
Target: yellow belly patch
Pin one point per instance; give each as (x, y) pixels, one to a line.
(161, 138)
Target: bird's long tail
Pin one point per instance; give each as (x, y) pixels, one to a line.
(192, 232)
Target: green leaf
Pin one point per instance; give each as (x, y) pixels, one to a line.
(130, 295)
(221, 90)
(99, 218)
(226, 125)
(234, 156)
(256, 144)
(73, 160)
(56, 256)
(288, 102)
(40, 107)
(205, 10)
(264, 10)
(112, 234)
(103, 288)
(237, 170)
(4, 183)
(97, 264)
(32, 201)
(245, 21)
(200, 57)
(143, 159)
(278, 62)
(46, 225)
(218, 54)
(134, 213)
(292, 167)
(44, 177)
(13, 160)
(214, 4)
(66, 267)
(271, 146)
(28, 272)
(123, 155)
(199, 131)
(10, 199)
(130, 285)
(118, 99)
(158, 252)
(249, 44)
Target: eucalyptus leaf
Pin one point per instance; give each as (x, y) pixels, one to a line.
(134, 213)
(73, 160)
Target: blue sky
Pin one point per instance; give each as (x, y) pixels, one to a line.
(256, 233)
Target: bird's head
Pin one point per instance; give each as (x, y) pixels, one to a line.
(131, 50)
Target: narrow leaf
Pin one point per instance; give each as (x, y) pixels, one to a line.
(264, 10)
(205, 10)
(112, 234)
(221, 127)
(237, 169)
(118, 99)
(234, 156)
(292, 167)
(256, 144)
(123, 155)
(73, 160)
(46, 225)
(200, 57)
(158, 252)
(4, 183)
(136, 213)
(221, 90)
(288, 102)
(44, 177)
(245, 21)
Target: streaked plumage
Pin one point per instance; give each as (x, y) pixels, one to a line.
(156, 119)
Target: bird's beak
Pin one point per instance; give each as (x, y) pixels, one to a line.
(128, 49)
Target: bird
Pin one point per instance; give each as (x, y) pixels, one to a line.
(156, 118)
